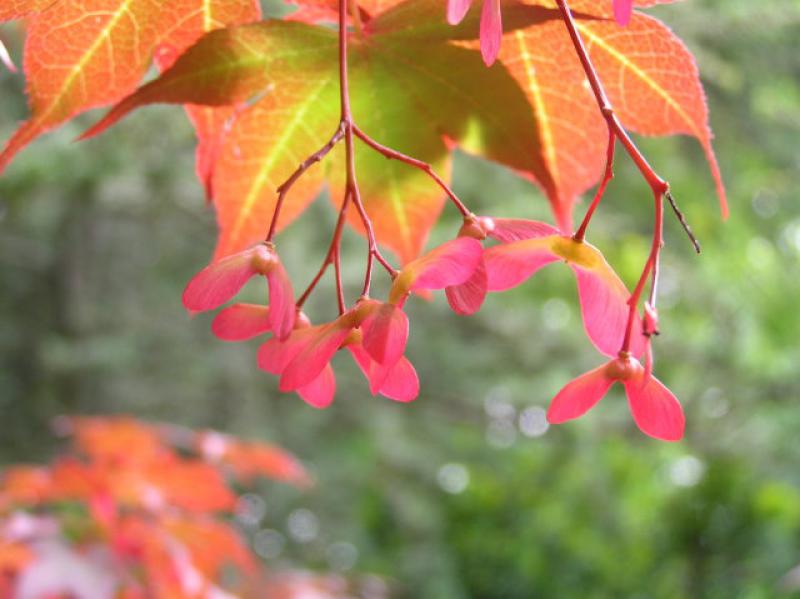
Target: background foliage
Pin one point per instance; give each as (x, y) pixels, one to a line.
(463, 493)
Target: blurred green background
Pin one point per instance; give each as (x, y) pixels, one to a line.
(466, 492)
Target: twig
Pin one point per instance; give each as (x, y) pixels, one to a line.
(682, 220)
(423, 166)
(284, 187)
(650, 265)
(580, 234)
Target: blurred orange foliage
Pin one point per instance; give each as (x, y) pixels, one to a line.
(133, 510)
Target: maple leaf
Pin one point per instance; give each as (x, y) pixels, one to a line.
(11, 10)
(266, 141)
(203, 17)
(408, 70)
(649, 75)
(103, 47)
(654, 92)
(160, 515)
(452, 97)
(444, 88)
(96, 62)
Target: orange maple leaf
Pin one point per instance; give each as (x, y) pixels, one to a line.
(87, 53)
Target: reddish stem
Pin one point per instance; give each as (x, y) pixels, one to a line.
(393, 272)
(355, 193)
(423, 166)
(329, 255)
(347, 130)
(656, 268)
(650, 265)
(372, 244)
(337, 267)
(313, 284)
(658, 185)
(580, 234)
(344, 87)
(283, 188)
(351, 185)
